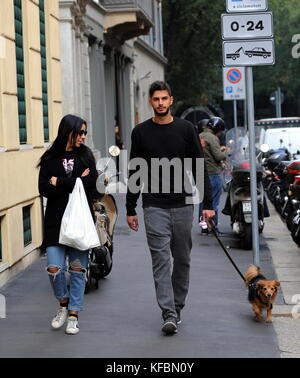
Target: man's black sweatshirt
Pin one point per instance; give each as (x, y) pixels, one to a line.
(152, 142)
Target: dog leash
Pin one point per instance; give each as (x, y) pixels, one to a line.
(212, 228)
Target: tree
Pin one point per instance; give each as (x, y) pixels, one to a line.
(193, 48)
(286, 15)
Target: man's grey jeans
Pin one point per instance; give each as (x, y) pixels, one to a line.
(169, 233)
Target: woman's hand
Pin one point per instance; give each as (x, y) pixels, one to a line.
(86, 172)
(53, 181)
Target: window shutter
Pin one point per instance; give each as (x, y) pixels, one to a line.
(20, 70)
(27, 226)
(44, 70)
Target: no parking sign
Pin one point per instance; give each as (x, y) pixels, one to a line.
(234, 83)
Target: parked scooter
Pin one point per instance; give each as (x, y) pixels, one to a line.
(106, 212)
(238, 203)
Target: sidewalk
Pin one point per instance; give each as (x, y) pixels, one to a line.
(286, 259)
(122, 320)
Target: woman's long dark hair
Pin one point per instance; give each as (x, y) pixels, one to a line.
(70, 124)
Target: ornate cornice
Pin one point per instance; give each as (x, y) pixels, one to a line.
(78, 10)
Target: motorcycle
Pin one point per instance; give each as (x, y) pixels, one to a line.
(105, 214)
(270, 161)
(238, 203)
(294, 216)
(284, 201)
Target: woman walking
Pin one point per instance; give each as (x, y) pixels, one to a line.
(66, 159)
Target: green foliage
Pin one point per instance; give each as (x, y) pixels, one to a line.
(193, 47)
(286, 71)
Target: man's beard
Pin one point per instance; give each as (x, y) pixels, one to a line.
(162, 114)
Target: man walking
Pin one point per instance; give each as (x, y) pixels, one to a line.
(168, 214)
(214, 154)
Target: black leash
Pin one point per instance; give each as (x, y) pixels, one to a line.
(212, 228)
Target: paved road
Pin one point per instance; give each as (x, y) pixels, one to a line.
(121, 319)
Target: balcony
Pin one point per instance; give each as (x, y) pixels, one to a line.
(127, 19)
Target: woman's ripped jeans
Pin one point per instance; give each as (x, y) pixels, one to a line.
(56, 268)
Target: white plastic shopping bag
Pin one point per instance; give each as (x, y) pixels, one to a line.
(77, 228)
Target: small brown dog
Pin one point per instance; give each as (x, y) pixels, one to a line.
(262, 292)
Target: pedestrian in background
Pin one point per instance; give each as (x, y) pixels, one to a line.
(119, 143)
(168, 216)
(118, 139)
(214, 155)
(66, 159)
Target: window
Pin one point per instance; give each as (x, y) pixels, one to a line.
(27, 226)
(44, 70)
(20, 71)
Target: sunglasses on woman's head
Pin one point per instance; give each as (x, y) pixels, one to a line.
(81, 132)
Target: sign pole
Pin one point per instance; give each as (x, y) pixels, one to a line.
(235, 113)
(245, 114)
(253, 178)
(279, 102)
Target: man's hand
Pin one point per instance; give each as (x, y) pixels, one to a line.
(133, 222)
(224, 148)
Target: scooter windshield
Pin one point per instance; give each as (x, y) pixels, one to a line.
(238, 143)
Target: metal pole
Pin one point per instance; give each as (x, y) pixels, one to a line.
(245, 115)
(253, 179)
(235, 113)
(279, 102)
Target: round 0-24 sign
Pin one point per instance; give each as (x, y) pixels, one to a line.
(234, 83)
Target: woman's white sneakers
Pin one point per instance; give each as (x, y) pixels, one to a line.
(60, 318)
(72, 326)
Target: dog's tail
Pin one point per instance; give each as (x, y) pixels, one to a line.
(252, 272)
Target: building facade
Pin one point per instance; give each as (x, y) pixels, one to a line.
(93, 58)
(111, 51)
(30, 109)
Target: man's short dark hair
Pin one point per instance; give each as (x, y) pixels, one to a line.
(159, 86)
